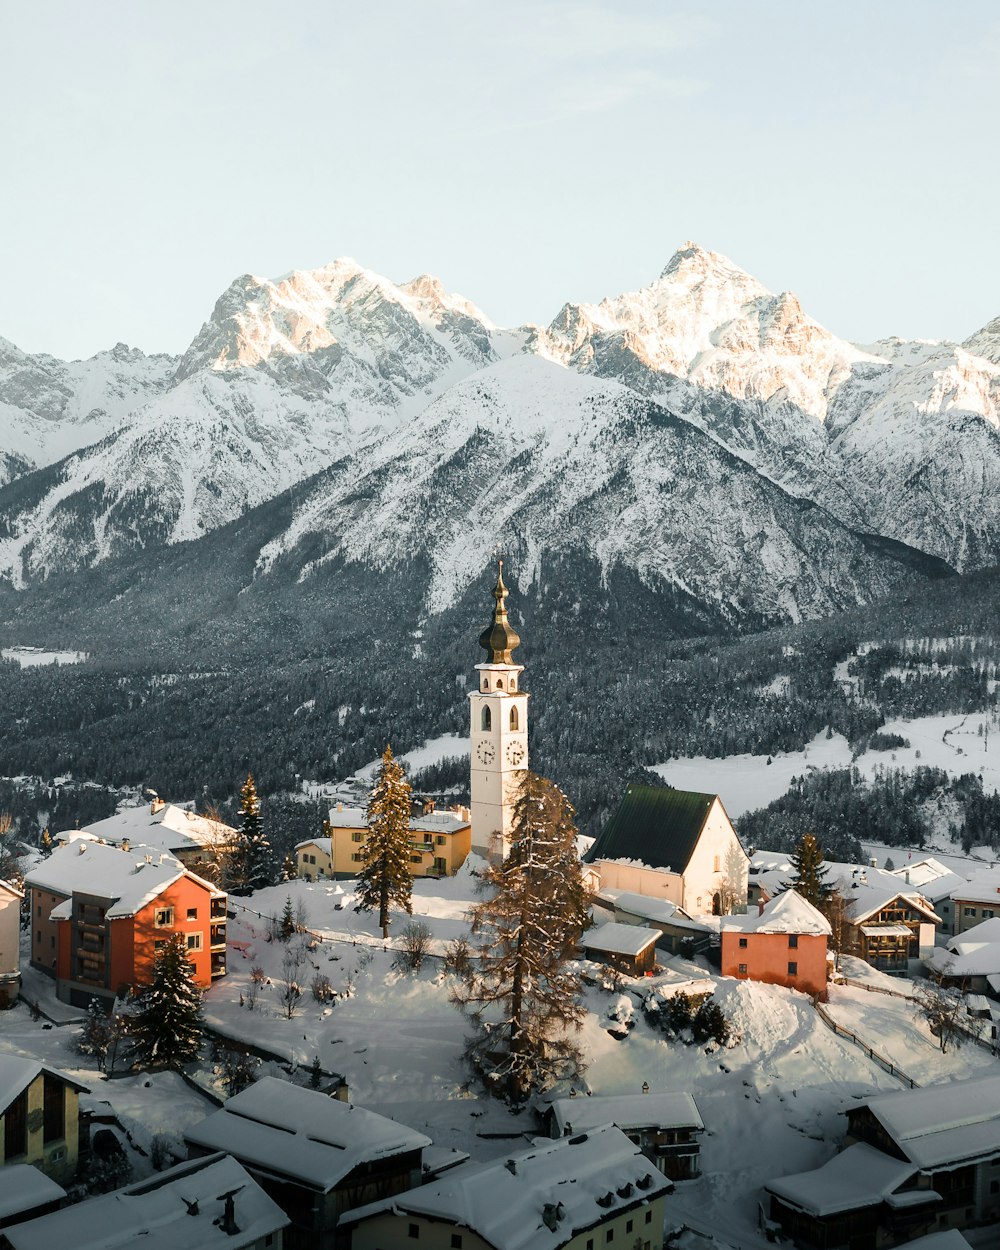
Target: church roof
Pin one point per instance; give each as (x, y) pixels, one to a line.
(654, 826)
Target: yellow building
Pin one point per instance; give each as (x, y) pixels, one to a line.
(40, 1120)
(439, 843)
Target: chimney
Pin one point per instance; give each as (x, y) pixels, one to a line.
(906, 876)
(873, 862)
(126, 845)
(760, 907)
(340, 807)
(157, 805)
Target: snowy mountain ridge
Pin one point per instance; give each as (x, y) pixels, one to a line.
(338, 364)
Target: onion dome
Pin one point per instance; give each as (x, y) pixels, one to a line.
(499, 638)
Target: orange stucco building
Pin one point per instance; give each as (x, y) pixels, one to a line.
(782, 943)
(100, 913)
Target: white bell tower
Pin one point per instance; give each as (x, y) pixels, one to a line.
(499, 733)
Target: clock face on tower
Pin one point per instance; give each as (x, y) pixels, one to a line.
(515, 753)
(485, 752)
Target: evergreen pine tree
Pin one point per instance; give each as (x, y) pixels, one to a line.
(95, 1036)
(520, 993)
(810, 872)
(249, 861)
(286, 925)
(166, 1024)
(385, 878)
(289, 869)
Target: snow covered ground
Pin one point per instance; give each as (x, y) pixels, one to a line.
(432, 752)
(29, 657)
(771, 1102)
(746, 782)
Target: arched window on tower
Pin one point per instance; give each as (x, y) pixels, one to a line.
(499, 683)
(487, 718)
(513, 718)
(486, 683)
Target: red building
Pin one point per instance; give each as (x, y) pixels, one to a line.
(784, 942)
(100, 913)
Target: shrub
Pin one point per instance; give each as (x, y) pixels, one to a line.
(415, 945)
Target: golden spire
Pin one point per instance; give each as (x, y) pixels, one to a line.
(499, 638)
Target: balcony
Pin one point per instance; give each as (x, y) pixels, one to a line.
(217, 911)
(218, 937)
(218, 966)
(91, 956)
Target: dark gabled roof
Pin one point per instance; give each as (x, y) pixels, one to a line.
(660, 827)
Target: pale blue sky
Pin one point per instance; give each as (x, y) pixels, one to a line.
(526, 153)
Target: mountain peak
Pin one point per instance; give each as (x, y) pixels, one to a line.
(691, 260)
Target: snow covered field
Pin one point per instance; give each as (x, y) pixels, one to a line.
(747, 782)
(432, 752)
(30, 657)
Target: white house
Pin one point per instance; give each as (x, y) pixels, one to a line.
(676, 845)
(10, 940)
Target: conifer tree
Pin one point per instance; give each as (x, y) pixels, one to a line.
(810, 872)
(289, 869)
(166, 1028)
(248, 866)
(286, 925)
(519, 991)
(385, 878)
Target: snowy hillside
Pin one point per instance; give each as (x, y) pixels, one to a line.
(541, 461)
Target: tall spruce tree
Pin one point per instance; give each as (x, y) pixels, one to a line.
(385, 878)
(521, 994)
(166, 1028)
(810, 871)
(248, 865)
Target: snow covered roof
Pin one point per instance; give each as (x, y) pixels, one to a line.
(627, 1112)
(656, 909)
(341, 817)
(930, 877)
(11, 889)
(868, 890)
(885, 930)
(984, 887)
(17, 1073)
(619, 939)
(184, 1206)
(859, 1176)
(129, 880)
(535, 1199)
(964, 958)
(770, 861)
(947, 1239)
(169, 828)
(957, 1121)
(980, 934)
(23, 1188)
(321, 844)
(787, 912)
(301, 1133)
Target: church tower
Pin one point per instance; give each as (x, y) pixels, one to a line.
(499, 732)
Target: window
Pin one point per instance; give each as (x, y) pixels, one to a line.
(414, 1230)
(628, 1226)
(609, 1235)
(357, 859)
(441, 840)
(15, 1127)
(793, 969)
(487, 720)
(715, 864)
(513, 718)
(499, 684)
(742, 970)
(159, 944)
(793, 941)
(743, 943)
(192, 913)
(194, 941)
(590, 1243)
(55, 1110)
(456, 1241)
(164, 917)
(649, 1217)
(357, 836)
(416, 859)
(970, 911)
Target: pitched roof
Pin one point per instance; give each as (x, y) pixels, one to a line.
(619, 939)
(24, 1188)
(627, 1111)
(656, 827)
(984, 887)
(341, 817)
(129, 880)
(535, 1199)
(183, 1206)
(868, 890)
(290, 1131)
(17, 1072)
(954, 1122)
(858, 1177)
(787, 912)
(169, 828)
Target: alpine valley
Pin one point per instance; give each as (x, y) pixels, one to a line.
(307, 505)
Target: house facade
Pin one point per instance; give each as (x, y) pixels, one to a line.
(39, 1117)
(10, 943)
(783, 942)
(676, 845)
(439, 845)
(886, 924)
(584, 1192)
(975, 901)
(99, 914)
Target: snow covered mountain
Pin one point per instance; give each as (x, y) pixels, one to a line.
(400, 387)
(541, 462)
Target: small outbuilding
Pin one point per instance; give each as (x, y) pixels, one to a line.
(629, 948)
